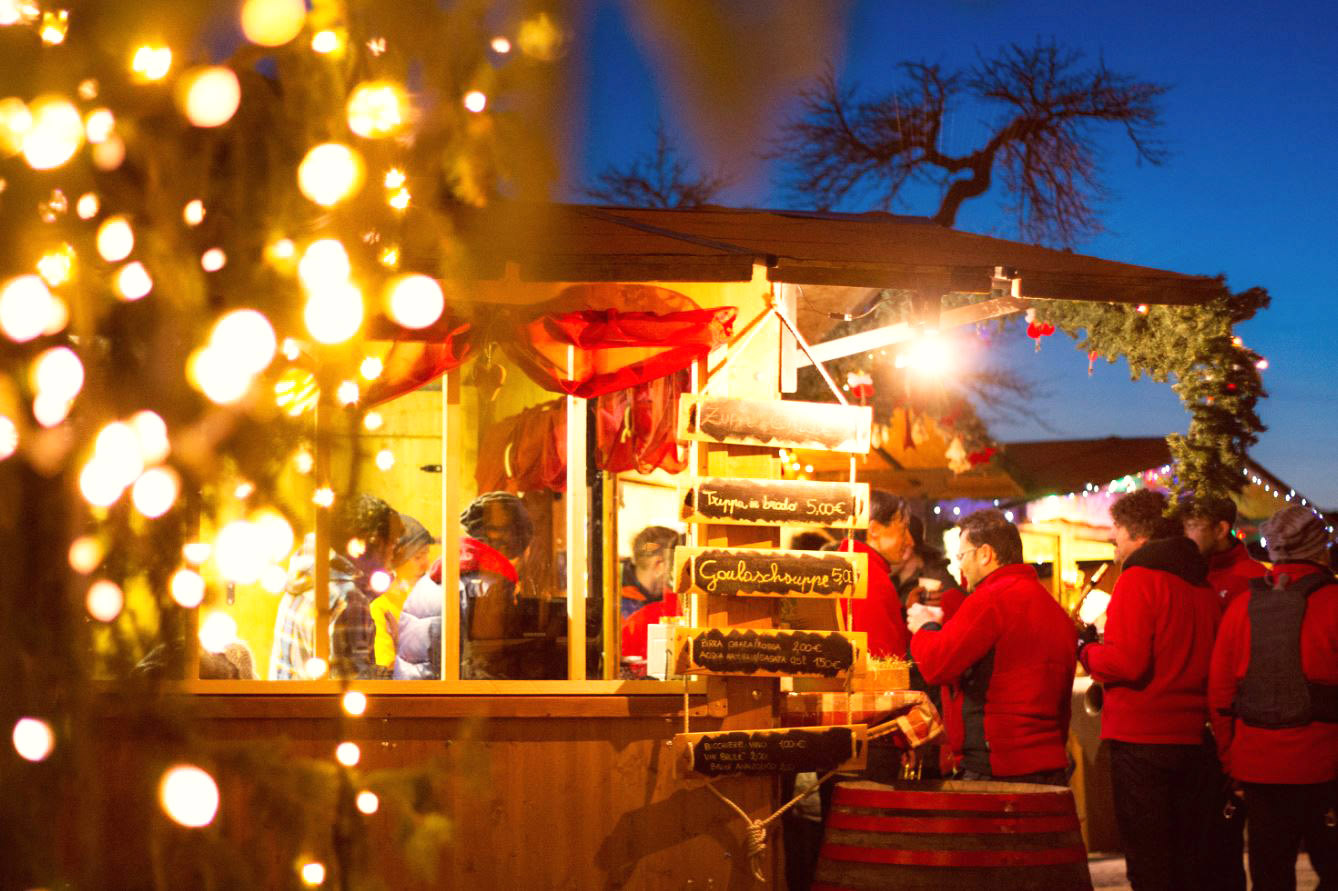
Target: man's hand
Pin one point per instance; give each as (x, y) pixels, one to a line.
(920, 615)
(1087, 634)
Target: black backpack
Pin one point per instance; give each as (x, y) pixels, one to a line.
(1274, 692)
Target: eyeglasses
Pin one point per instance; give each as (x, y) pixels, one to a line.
(961, 555)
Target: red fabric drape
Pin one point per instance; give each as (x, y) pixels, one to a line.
(600, 338)
(636, 427)
(411, 364)
(525, 452)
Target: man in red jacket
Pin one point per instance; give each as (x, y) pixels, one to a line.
(1273, 693)
(1154, 663)
(1010, 646)
(1208, 522)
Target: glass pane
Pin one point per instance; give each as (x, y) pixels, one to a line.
(648, 528)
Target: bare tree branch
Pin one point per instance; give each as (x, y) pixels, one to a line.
(659, 179)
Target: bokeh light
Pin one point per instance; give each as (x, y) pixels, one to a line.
(324, 263)
(276, 533)
(58, 373)
(313, 873)
(326, 42)
(26, 308)
(380, 581)
(273, 22)
(15, 123)
(151, 434)
(193, 213)
(188, 795)
(98, 125)
(87, 206)
(377, 108)
(214, 374)
(348, 753)
(150, 63)
(217, 630)
(368, 802)
(213, 260)
(239, 552)
(371, 369)
(117, 449)
(348, 393)
(414, 301)
(156, 490)
(209, 96)
(385, 459)
(56, 266)
(55, 134)
(355, 702)
(500, 45)
(9, 437)
(33, 739)
(187, 587)
(108, 154)
(133, 281)
(334, 314)
(475, 101)
(116, 239)
(247, 338)
(85, 554)
(329, 173)
(105, 600)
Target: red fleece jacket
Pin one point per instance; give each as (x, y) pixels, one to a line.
(1288, 755)
(1158, 644)
(1230, 572)
(879, 613)
(1022, 642)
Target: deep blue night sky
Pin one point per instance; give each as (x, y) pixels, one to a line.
(1249, 190)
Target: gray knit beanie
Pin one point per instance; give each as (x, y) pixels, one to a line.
(1294, 533)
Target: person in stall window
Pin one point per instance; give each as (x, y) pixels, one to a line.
(498, 531)
(411, 559)
(647, 593)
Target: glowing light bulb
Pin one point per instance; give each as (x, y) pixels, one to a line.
(315, 667)
(304, 463)
(105, 600)
(323, 497)
(151, 63)
(377, 108)
(475, 101)
(187, 587)
(367, 802)
(34, 739)
(347, 753)
(213, 260)
(55, 25)
(329, 173)
(313, 873)
(188, 795)
(156, 490)
(371, 369)
(239, 552)
(500, 45)
(115, 239)
(400, 200)
(98, 125)
(217, 630)
(326, 42)
(355, 702)
(414, 301)
(87, 206)
(133, 281)
(209, 96)
(348, 393)
(334, 314)
(85, 554)
(394, 178)
(380, 581)
(246, 337)
(193, 212)
(55, 134)
(324, 263)
(385, 459)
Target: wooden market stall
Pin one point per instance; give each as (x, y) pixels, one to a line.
(566, 773)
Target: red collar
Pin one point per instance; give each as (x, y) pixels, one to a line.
(1228, 558)
(1009, 573)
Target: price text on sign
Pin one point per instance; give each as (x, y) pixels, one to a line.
(751, 502)
(769, 751)
(776, 424)
(764, 572)
(756, 652)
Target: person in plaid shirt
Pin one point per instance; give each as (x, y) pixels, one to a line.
(364, 531)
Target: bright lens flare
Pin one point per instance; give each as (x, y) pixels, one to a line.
(55, 133)
(187, 588)
(33, 739)
(414, 301)
(930, 355)
(209, 96)
(330, 173)
(377, 108)
(104, 601)
(189, 796)
(115, 239)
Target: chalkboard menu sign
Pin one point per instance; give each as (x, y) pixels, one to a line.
(750, 502)
(758, 652)
(768, 751)
(763, 572)
(774, 423)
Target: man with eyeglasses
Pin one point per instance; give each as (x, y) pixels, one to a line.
(1010, 647)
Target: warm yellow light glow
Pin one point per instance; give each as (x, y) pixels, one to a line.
(371, 369)
(55, 24)
(373, 421)
(929, 355)
(56, 266)
(355, 702)
(217, 630)
(214, 374)
(196, 552)
(324, 264)
(315, 667)
(213, 260)
(246, 337)
(9, 437)
(11, 12)
(98, 484)
(58, 373)
(385, 459)
(500, 45)
(323, 497)
(105, 600)
(326, 42)
(155, 491)
(334, 314)
(133, 281)
(541, 37)
(348, 393)
(117, 450)
(414, 301)
(87, 89)
(115, 239)
(394, 179)
(239, 552)
(273, 22)
(98, 125)
(50, 410)
(400, 200)
(356, 548)
(33, 739)
(313, 873)
(304, 463)
(273, 578)
(368, 802)
(15, 123)
(244, 490)
(209, 96)
(26, 308)
(188, 795)
(151, 63)
(347, 753)
(475, 101)
(377, 108)
(296, 391)
(276, 533)
(193, 212)
(329, 173)
(87, 206)
(380, 581)
(389, 257)
(151, 436)
(85, 554)
(108, 154)
(55, 134)
(187, 588)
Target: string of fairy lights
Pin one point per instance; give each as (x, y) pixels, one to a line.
(243, 357)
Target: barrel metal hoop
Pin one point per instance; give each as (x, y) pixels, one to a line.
(954, 825)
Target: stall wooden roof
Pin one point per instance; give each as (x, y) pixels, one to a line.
(840, 251)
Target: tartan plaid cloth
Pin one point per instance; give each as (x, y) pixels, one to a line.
(917, 721)
(352, 630)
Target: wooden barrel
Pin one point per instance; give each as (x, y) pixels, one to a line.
(952, 834)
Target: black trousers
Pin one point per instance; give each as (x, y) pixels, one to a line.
(1280, 817)
(1165, 798)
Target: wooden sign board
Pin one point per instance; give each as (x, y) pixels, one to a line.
(790, 749)
(822, 426)
(758, 652)
(764, 572)
(751, 502)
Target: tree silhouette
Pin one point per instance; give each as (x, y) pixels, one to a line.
(660, 178)
(1043, 112)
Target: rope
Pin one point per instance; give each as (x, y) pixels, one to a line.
(757, 829)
